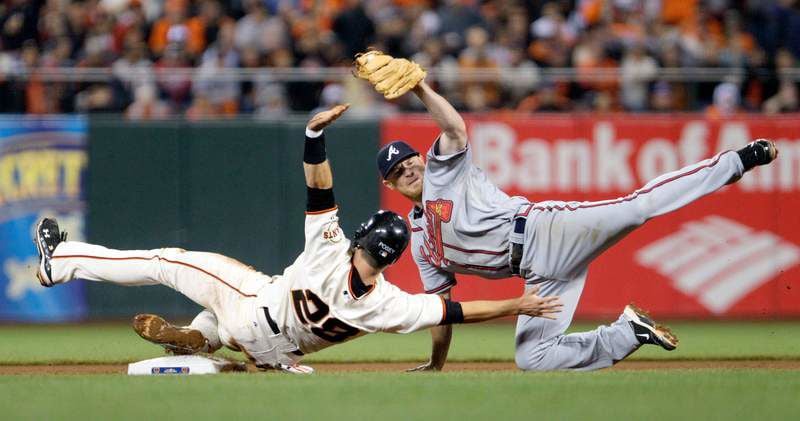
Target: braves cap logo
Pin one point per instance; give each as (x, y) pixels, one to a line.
(392, 151)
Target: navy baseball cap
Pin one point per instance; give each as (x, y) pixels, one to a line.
(392, 154)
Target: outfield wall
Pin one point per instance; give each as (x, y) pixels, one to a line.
(732, 254)
(233, 187)
(236, 187)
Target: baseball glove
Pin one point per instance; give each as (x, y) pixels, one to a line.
(390, 76)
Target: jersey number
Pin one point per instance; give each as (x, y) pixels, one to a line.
(329, 328)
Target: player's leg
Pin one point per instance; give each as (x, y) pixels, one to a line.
(222, 285)
(202, 277)
(216, 282)
(206, 323)
(563, 237)
(542, 345)
(200, 336)
(211, 280)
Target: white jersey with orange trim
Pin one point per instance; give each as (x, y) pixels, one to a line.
(317, 302)
(320, 307)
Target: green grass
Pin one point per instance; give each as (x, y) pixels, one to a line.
(708, 394)
(489, 342)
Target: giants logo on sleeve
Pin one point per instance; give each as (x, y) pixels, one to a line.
(332, 232)
(436, 212)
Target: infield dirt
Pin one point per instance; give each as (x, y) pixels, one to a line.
(401, 366)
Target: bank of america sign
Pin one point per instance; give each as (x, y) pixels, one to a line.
(719, 261)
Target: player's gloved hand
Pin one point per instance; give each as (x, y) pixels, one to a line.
(390, 76)
(323, 119)
(533, 305)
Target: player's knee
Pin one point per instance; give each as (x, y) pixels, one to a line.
(172, 251)
(642, 212)
(537, 357)
(527, 360)
(522, 362)
(532, 365)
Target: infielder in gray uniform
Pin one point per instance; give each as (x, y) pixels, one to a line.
(462, 223)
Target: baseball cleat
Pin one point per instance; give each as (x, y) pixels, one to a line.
(47, 239)
(758, 152)
(647, 331)
(177, 340)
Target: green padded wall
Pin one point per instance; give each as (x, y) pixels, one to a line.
(231, 187)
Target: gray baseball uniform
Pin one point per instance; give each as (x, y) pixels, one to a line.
(466, 226)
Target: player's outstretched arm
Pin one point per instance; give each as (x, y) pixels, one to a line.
(315, 163)
(454, 130)
(528, 304)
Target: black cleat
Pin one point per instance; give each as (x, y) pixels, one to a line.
(47, 239)
(647, 331)
(758, 152)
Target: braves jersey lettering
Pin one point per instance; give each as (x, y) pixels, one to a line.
(464, 223)
(436, 212)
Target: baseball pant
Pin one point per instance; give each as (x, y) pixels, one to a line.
(206, 322)
(562, 238)
(224, 286)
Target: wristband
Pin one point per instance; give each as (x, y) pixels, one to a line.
(314, 152)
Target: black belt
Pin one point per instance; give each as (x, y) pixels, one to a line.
(274, 327)
(517, 239)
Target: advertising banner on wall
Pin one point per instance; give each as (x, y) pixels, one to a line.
(735, 253)
(43, 164)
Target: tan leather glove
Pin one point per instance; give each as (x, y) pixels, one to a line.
(390, 76)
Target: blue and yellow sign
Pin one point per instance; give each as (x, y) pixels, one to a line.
(43, 164)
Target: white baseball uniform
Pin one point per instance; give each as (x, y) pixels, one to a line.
(317, 302)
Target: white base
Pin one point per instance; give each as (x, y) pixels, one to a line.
(182, 365)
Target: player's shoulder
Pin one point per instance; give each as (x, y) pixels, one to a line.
(325, 269)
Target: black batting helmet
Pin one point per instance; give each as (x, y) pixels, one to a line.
(383, 236)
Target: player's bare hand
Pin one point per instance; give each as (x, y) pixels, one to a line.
(323, 119)
(428, 366)
(533, 305)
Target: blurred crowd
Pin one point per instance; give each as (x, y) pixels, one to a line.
(148, 46)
